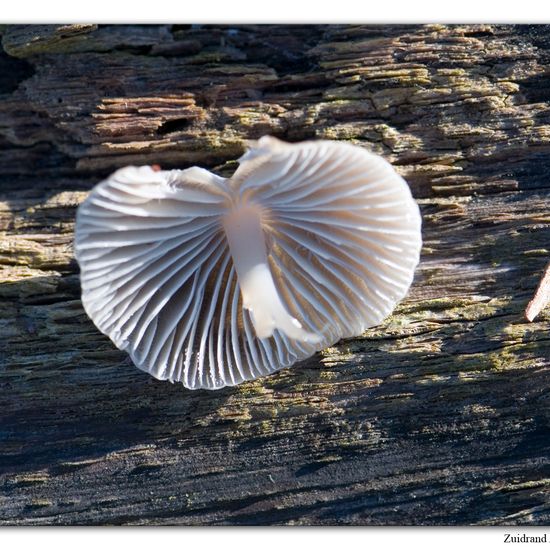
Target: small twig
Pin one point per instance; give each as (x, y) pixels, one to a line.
(541, 297)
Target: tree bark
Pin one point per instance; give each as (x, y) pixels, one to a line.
(438, 416)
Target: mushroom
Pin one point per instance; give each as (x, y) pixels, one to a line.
(211, 281)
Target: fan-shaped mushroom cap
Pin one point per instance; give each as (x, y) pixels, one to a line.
(212, 281)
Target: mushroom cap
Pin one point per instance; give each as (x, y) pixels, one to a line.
(211, 281)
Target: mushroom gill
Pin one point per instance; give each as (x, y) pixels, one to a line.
(213, 281)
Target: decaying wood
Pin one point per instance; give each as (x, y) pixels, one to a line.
(439, 416)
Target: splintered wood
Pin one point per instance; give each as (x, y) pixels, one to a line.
(541, 298)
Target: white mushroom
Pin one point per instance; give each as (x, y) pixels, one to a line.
(213, 281)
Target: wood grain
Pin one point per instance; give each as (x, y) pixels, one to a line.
(440, 416)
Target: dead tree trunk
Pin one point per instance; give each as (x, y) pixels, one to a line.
(439, 416)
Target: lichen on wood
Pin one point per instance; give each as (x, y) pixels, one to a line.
(438, 416)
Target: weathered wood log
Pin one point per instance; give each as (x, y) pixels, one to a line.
(439, 416)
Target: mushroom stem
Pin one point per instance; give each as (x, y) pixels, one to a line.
(243, 227)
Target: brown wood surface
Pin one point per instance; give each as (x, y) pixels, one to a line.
(438, 416)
